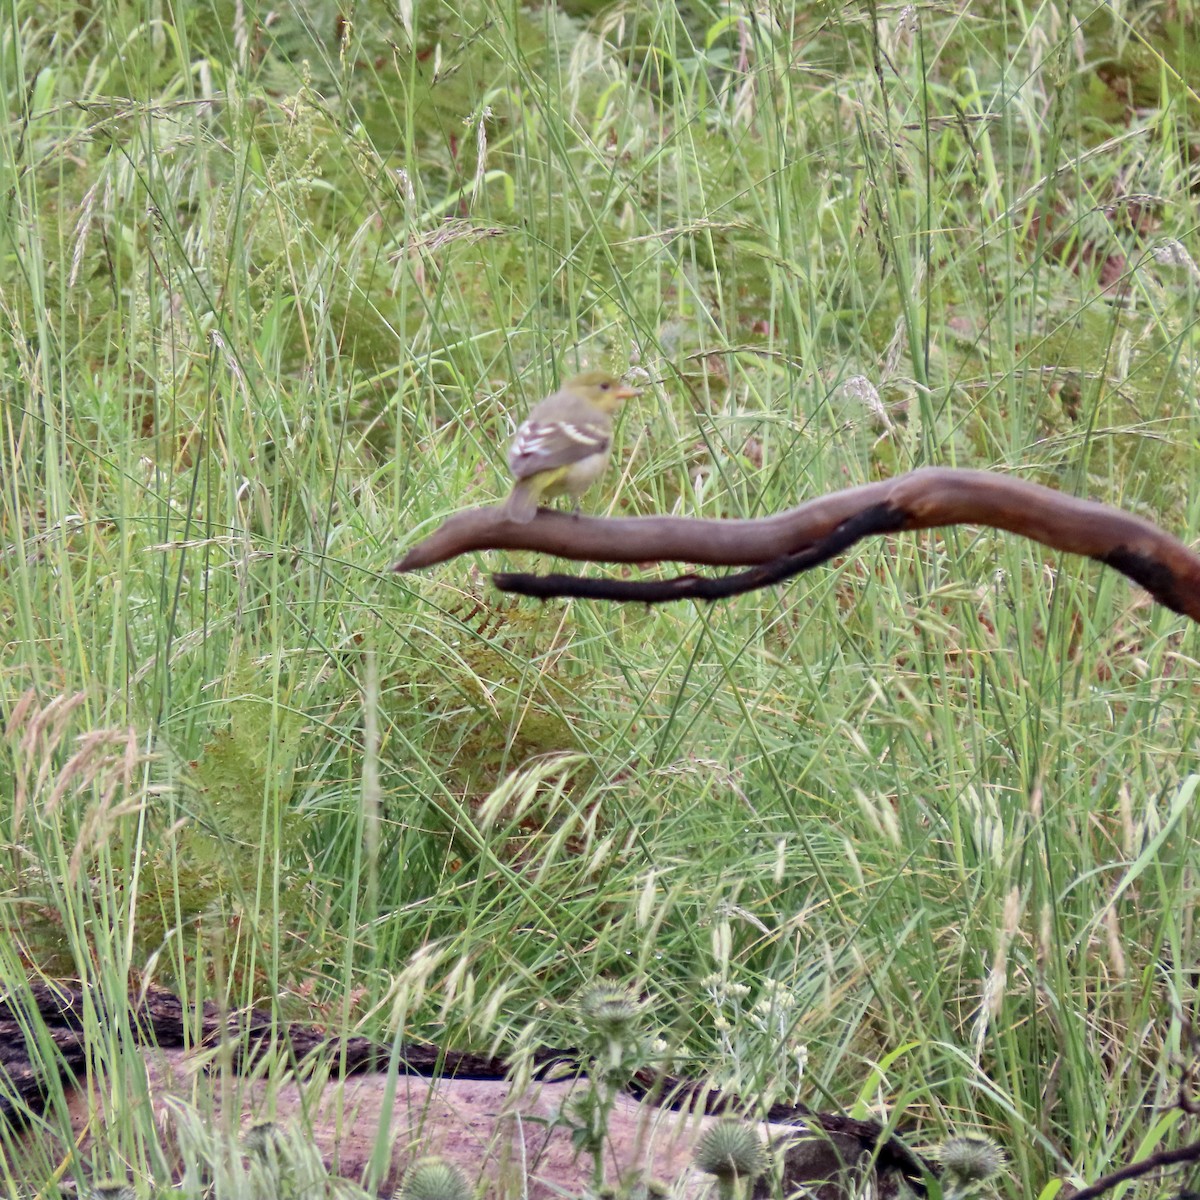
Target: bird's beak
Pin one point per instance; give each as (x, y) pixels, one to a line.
(625, 392)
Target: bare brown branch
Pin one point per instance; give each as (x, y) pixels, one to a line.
(926, 499)
(1145, 1166)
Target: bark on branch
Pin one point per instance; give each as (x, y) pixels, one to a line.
(800, 538)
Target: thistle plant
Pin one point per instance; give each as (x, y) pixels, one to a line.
(434, 1179)
(281, 1163)
(110, 1189)
(969, 1162)
(732, 1152)
(610, 1014)
(263, 1139)
(616, 1046)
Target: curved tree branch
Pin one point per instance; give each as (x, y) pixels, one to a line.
(1136, 1170)
(798, 539)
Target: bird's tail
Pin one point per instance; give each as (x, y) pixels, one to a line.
(522, 503)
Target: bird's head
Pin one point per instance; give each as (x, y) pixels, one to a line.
(601, 389)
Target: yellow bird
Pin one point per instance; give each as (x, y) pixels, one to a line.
(563, 444)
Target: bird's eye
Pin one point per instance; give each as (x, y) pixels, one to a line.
(605, 386)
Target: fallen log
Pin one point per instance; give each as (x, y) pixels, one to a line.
(465, 1107)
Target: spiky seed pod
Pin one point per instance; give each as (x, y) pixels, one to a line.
(434, 1179)
(609, 1008)
(730, 1150)
(110, 1189)
(260, 1137)
(970, 1159)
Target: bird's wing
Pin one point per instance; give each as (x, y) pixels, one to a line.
(544, 445)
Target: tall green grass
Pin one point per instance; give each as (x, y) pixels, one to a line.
(276, 284)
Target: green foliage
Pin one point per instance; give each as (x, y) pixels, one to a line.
(914, 834)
